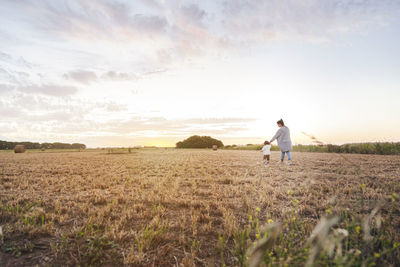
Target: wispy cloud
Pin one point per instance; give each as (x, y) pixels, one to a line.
(48, 89)
(5, 56)
(13, 61)
(162, 126)
(255, 21)
(90, 19)
(52, 113)
(10, 112)
(6, 88)
(72, 119)
(119, 76)
(178, 22)
(14, 77)
(217, 121)
(87, 77)
(173, 31)
(42, 89)
(81, 76)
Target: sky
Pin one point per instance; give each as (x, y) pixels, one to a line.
(154, 72)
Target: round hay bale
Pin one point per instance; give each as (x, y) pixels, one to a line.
(43, 149)
(214, 147)
(19, 149)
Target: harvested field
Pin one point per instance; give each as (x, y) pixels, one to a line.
(164, 207)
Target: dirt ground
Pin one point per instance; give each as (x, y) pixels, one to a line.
(163, 207)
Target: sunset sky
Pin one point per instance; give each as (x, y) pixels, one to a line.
(153, 72)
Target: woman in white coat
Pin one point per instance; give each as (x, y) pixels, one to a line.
(284, 141)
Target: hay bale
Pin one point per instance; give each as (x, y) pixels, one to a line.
(214, 147)
(43, 149)
(19, 149)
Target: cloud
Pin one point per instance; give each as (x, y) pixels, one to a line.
(109, 106)
(81, 76)
(173, 31)
(193, 13)
(235, 20)
(16, 62)
(48, 89)
(152, 72)
(6, 88)
(114, 107)
(9, 112)
(119, 76)
(254, 21)
(138, 125)
(91, 19)
(14, 77)
(43, 110)
(70, 122)
(56, 116)
(87, 77)
(39, 103)
(5, 56)
(217, 121)
(149, 24)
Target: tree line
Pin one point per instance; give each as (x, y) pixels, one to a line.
(36, 145)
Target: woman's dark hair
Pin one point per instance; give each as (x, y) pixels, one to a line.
(281, 122)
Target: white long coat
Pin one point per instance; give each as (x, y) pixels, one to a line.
(283, 137)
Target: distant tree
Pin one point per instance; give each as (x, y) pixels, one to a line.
(47, 145)
(30, 145)
(58, 145)
(197, 141)
(4, 145)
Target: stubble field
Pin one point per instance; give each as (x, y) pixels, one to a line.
(168, 207)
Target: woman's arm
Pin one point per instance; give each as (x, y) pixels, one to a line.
(278, 133)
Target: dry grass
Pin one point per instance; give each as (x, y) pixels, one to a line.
(188, 207)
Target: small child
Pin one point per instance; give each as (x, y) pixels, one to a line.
(266, 151)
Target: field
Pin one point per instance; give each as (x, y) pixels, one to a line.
(169, 207)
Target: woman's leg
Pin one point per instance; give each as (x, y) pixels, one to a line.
(289, 157)
(282, 155)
